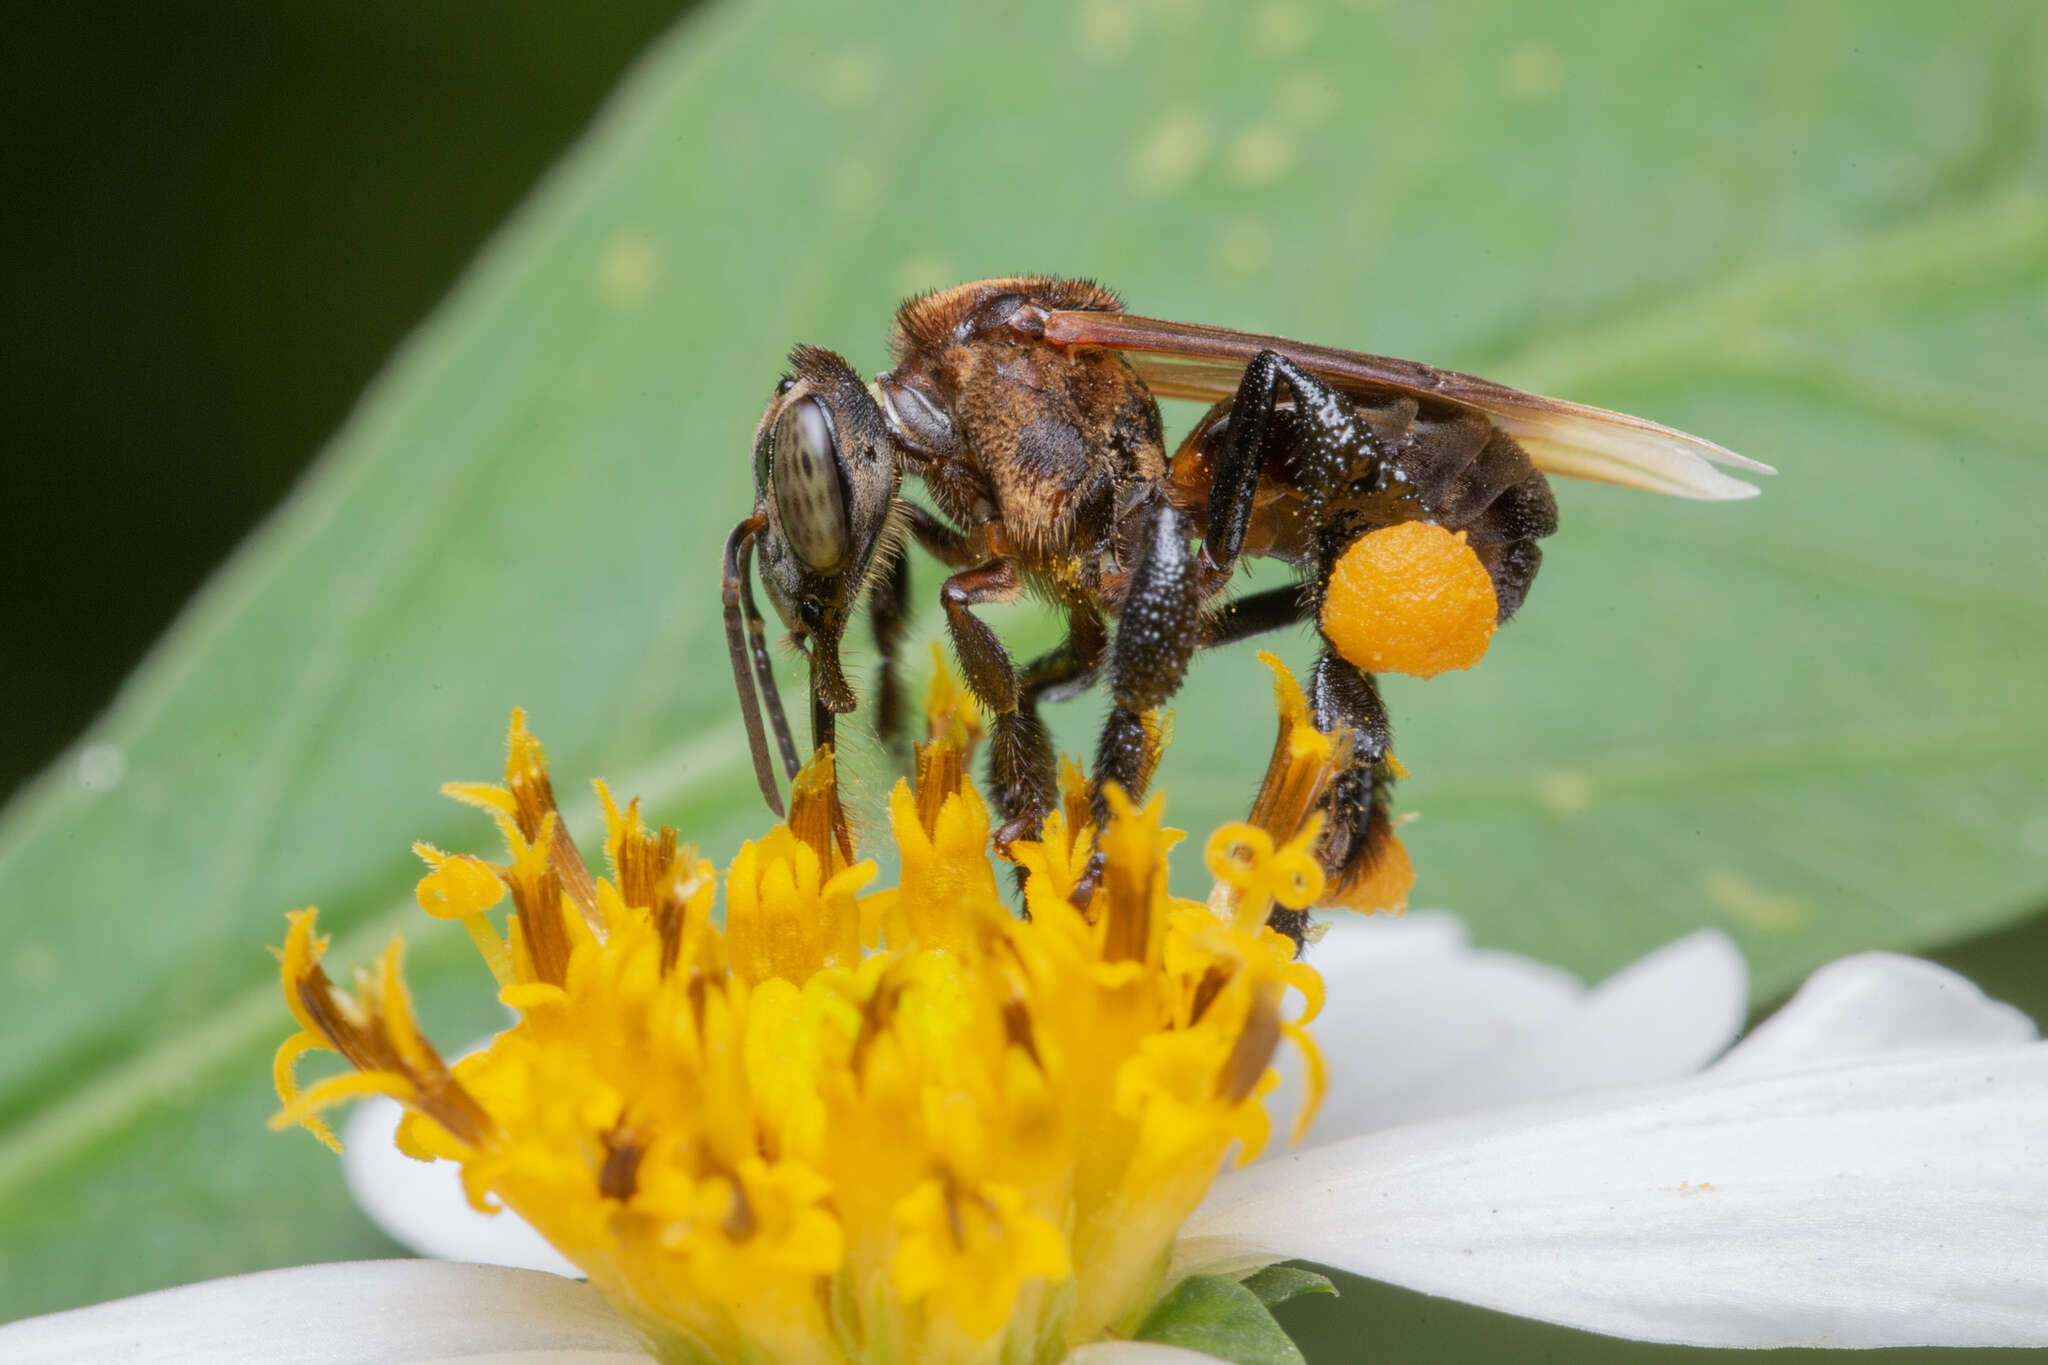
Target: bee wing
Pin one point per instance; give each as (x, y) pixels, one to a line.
(1188, 360)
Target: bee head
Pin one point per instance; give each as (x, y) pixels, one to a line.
(825, 473)
(825, 479)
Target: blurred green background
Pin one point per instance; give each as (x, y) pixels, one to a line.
(1817, 234)
(222, 215)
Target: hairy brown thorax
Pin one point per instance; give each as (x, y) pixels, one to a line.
(1053, 441)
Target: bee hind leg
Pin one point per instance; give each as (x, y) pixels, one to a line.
(1333, 448)
(1359, 852)
(1362, 860)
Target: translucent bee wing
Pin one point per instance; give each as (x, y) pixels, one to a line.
(1188, 360)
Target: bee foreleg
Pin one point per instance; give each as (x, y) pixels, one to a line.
(942, 542)
(983, 661)
(888, 613)
(745, 638)
(1157, 631)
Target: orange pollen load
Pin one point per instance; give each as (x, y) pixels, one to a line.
(1410, 598)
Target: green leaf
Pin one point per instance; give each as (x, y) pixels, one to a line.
(1223, 1318)
(1809, 719)
(1279, 1283)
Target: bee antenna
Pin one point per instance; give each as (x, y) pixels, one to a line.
(747, 643)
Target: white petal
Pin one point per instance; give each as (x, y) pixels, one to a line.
(1872, 1003)
(421, 1204)
(356, 1311)
(1662, 1017)
(1409, 1001)
(1136, 1353)
(1373, 940)
(1888, 1202)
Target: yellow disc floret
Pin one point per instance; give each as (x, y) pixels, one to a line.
(846, 1126)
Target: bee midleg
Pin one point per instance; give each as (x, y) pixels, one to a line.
(1023, 768)
(1160, 625)
(888, 614)
(1334, 442)
(1020, 757)
(1069, 669)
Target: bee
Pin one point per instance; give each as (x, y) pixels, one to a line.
(1028, 409)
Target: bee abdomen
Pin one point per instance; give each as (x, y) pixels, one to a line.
(1474, 477)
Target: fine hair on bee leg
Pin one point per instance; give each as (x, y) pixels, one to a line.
(1333, 447)
(1358, 826)
(1156, 634)
(1256, 613)
(888, 614)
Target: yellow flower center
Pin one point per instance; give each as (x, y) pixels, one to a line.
(842, 1125)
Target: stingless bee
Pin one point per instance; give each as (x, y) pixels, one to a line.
(1028, 408)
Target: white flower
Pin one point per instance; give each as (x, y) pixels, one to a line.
(1868, 1168)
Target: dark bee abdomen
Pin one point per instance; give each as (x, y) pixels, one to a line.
(1473, 477)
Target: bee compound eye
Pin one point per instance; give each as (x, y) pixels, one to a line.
(810, 497)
